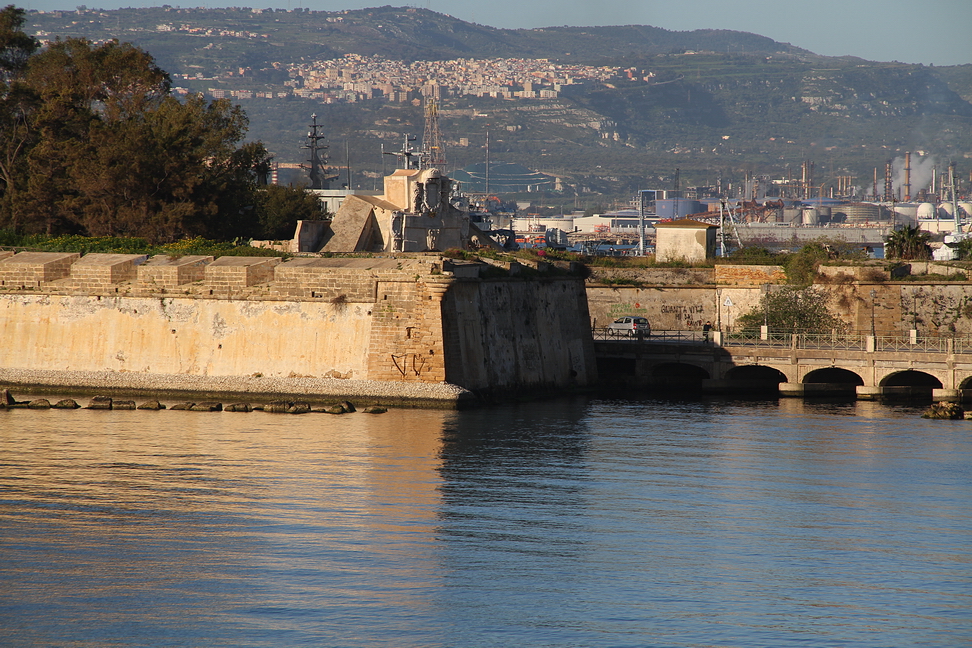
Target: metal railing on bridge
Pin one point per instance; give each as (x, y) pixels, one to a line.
(653, 336)
(835, 341)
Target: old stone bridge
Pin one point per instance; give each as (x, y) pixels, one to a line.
(865, 366)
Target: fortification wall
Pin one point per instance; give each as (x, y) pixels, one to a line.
(173, 335)
(392, 320)
(673, 308)
(519, 333)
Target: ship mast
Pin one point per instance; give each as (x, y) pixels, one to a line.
(318, 156)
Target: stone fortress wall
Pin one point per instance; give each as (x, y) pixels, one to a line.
(393, 319)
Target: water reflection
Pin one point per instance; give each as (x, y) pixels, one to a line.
(580, 522)
(121, 522)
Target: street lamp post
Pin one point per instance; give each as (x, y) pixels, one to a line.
(873, 295)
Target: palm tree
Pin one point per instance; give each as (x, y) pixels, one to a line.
(908, 243)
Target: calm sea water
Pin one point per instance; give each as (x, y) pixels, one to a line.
(577, 523)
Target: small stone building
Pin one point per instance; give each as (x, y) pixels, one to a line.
(685, 240)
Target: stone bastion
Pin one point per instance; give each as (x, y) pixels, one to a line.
(407, 329)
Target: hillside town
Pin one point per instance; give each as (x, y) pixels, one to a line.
(354, 77)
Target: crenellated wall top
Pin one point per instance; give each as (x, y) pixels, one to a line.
(206, 277)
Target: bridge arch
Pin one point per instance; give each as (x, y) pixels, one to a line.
(617, 367)
(833, 375)
(756, 373)
(911, 378)
(678, 375)
(966, 384)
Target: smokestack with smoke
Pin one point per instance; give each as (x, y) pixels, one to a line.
(922, 169)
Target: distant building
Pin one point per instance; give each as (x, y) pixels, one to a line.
(684, 240)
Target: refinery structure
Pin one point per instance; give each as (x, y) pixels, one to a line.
(780, 213)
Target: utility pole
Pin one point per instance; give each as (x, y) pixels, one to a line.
(487, 163)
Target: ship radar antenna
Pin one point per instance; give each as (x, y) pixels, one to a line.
(408, 156)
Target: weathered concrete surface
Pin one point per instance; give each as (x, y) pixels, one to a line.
(934, 309)
(205, 337)
(535, 330)
(653, 276)
(681, 308)
(749, 275)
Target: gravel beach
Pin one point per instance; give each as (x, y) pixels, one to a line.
(253, 388)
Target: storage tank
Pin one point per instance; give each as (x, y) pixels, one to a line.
(906, 212)
(792, 215)
(677, 207)
(811, 217)
(945, 210)
(926, 211)
(967, 207)
(861, 212)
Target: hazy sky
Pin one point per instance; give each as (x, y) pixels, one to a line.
(937, 32)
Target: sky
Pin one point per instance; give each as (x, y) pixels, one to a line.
(933, 32)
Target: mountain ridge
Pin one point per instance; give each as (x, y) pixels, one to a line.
(719, 104)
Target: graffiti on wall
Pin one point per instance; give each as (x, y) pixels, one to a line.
(628, 308)
(685, 316)
(680, 316)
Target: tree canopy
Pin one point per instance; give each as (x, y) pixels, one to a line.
(793, 309)
(909, 243)
(93, 142)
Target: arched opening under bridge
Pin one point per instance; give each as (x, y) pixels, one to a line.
(756, 378)
(911, 378)
(833, 376)
(678, 376)
(910, 383)
(611, 369)
(966, 384)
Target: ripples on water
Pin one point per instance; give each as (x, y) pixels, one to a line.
(563, 523)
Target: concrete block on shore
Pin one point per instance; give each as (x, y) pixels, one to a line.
(67, 403)
(208, 406)
(39, 403)
(100, 403)
(153, 405)
(182, 407)
(375, 409)
(238, 407)
(123, 405)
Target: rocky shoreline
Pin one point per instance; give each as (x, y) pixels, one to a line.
(314, 391)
